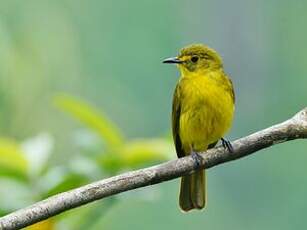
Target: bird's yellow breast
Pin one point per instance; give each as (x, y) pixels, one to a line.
(207, 108)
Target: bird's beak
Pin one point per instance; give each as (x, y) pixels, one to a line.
(172, 60)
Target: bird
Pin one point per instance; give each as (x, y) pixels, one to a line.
(202, 113)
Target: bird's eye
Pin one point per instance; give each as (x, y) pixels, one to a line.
(194, 59)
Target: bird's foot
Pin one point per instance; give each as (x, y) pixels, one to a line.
(197, 159)
(227, 145)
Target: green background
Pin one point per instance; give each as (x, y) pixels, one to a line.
(109, 53)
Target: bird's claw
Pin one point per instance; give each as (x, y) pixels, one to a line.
(197, 159)
(227, 145)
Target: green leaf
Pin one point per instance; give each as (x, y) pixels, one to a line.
(137, 153)
(68, 182)
(12, 160)
(146, 151)
(3, 212)
(111, 162)
(94, 119)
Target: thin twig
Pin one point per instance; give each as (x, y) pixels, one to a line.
(294, 128)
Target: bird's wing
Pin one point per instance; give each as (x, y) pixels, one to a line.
(176, 110)
(232, 92)
(229, 87)
(212, 145)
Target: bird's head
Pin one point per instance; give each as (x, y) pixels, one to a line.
(196, 58)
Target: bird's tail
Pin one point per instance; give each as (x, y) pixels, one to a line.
(193, 191)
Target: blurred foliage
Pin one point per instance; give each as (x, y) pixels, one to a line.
(70, 181)
(92, 118)
(43, 225)
(29, 160)
(12, 161)
(118, 153)
(109, 53)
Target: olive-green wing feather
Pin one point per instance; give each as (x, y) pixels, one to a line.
(232, 92)
(229, 87)
(176, 110)
(192, 188)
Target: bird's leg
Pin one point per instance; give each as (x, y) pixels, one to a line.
(227, 145)
(197, 158)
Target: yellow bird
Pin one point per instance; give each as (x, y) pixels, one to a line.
(203, 108)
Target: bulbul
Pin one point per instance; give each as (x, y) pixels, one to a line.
(202, 112)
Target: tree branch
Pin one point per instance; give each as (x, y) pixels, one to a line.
(294, 128)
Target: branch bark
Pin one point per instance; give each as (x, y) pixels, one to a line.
(294, 128)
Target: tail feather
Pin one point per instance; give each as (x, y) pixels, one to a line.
(193, 191)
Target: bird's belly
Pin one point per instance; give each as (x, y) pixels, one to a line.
(205, 120)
